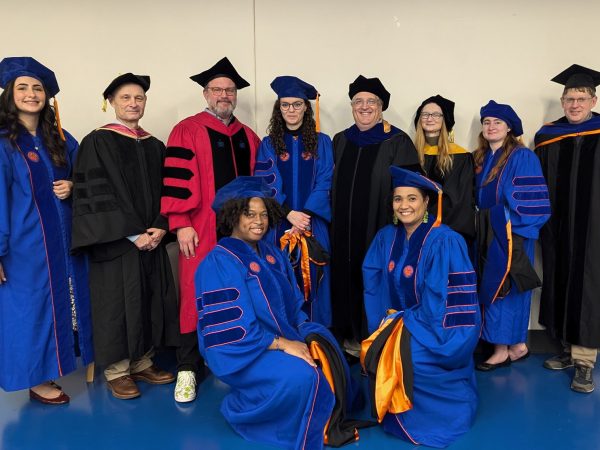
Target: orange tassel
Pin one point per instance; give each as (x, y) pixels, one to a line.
(317, 116)
(438, 219)
(58, 125)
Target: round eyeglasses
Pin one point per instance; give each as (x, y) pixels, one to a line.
(285, 106)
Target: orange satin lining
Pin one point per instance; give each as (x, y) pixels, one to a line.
(390, 395)
(292, 240)
(564, 136)
(318, 355)
(509, 262)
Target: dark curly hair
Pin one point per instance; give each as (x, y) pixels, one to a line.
(308, 130)
(10, 125)
(229, 215)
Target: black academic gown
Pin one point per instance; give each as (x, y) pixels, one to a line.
(570, 240)
(361, 202)
(116, 194)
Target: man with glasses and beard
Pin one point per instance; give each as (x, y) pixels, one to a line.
(204, 152)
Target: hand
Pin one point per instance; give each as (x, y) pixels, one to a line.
(188, 241)
(2, 275)
(143, 242)
(156, 235)
(295, 230)
(299, 219)
(62, 189)
(297, 349)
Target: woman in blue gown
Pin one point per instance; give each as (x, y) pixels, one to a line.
(253, 333)
(297, 161)
(512, 198)
(44, 298)
(422, 310)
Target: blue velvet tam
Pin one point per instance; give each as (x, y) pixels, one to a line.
(505, 113)
(408, 178)
(288, 86)
(25, 66)
(242, 187)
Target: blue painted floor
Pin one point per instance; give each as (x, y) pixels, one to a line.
(521, 407)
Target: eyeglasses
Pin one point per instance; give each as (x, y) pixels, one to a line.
(296, 105)
(435, 115)
(361, 101)
(230, 91)
(573, 101)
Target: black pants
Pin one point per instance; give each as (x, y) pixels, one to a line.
(188, 354)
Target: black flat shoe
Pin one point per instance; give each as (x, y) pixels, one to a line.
(525, 356)
(488, 367)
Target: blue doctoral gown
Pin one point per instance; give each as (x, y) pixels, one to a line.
(303, 183)
(518, 193)
(37, 342)
(244, 301)
(430, 279)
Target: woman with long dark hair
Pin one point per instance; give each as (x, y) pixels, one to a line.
(297, 161)
(512, 198)
(44, 298)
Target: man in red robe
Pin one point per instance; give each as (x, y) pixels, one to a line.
(204, 152)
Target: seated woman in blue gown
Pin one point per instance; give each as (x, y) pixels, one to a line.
(253, 334)
(297, 161)
(513, 202)
(421, 305)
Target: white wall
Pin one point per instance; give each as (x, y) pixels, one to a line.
(467, 50)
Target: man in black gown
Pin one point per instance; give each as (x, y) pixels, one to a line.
(361, 199)
(569, 151)
(117, 221)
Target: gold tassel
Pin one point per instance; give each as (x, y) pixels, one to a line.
(386, 126)
(317, 116)
(395, 220)
(58, 125)
(104, 105)
(451, 136)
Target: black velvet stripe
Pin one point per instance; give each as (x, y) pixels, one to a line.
(176, 192)
(180, 152)
(79, 177)
(582, 209)
(180, 173)
(100, 189)
(105, 206)
(81, 193)
(94, 174)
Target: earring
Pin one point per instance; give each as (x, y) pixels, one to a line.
(426, 217)
(395, 219)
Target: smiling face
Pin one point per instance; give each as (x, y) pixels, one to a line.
(578, 105)
(367, 110)
(409, 207)
(431, 125)
(29, 95)
(253, 222)
(129, 102)
(222, 104)
(494, 131)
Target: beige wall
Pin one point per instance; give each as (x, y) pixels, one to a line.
(467, 50)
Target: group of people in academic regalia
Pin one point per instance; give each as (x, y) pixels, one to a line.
(294, 253)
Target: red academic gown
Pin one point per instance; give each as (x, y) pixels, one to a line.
(203, 154)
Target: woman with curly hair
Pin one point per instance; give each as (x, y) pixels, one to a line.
(512, 198)
(44, 298)
(297, 161)
(446, 163)
(255, 337)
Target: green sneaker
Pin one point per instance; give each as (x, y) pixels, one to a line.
(559, 362)
(583, 381)
(185, 389)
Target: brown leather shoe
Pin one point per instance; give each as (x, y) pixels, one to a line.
(154, 375)
(60, 400)
(123, 387)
